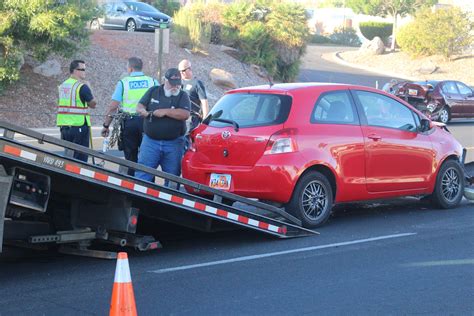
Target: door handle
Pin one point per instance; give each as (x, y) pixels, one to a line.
(374, 137)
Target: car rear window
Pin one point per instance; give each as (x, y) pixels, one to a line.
(251, 109)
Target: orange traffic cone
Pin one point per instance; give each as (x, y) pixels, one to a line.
(123, 299)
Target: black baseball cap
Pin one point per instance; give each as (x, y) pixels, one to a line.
(173, 76)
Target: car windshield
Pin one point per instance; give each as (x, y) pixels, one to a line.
(249, 110)
(140, 6)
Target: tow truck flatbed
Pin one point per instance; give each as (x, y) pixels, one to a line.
(106, 202)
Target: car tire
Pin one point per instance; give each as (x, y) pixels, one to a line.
(444, 115)
(131, 26)
(312, 200)
(449, 186)
(95, 25)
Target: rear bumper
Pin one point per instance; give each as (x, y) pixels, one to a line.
(269, 181)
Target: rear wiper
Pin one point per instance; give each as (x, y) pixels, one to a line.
(234, 123)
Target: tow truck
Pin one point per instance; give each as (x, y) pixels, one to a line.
(48, 198)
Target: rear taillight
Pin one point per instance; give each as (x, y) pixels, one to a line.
(191, 146)
(281, 142)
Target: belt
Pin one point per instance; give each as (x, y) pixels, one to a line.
(130, 115)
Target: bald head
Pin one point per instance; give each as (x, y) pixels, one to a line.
(185, 68)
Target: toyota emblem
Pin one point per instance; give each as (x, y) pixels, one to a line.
(225, 134)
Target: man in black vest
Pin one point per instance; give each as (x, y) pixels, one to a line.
(165, 110)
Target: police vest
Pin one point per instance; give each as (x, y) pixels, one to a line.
(71, 110)
(133, 90)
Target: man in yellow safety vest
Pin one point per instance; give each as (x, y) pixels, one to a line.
(128, 92)
(75, 99)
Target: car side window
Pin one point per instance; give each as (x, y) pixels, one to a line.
(450, 87)
(463, 89)
(121, 7)
(108, 8)
(335, 108)
(383, 111)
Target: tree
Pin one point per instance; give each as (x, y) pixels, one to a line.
(41, 27)
(417, 38)
(394, 8)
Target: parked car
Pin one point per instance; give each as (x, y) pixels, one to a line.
(308, 146)
(130, 16)
(441, 100)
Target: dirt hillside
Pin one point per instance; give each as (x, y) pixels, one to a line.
(31, 102)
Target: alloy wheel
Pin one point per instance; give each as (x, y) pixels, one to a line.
(450, 184)
(131, 26)
(444, 116)
(314, 199)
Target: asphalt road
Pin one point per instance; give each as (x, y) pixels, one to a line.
(318, 67)
(395, 257)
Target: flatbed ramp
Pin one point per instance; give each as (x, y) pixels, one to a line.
(96, 187)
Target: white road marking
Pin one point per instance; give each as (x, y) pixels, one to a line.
(441, 263)
(279, 253)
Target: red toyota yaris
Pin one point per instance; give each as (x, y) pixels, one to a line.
(309, 146)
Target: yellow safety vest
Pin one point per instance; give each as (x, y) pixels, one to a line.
(71, 110)
(134, 87)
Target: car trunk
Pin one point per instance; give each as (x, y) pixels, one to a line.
(225, 146)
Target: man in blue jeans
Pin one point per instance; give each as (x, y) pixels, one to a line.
(165, 110)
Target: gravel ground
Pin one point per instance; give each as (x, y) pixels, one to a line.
(31, 102)
(399, 62)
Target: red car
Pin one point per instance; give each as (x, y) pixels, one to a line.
(308, 146)
(441, 100)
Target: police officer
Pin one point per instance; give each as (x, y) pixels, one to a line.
(75, 99)
(197, 94)
(128, 92)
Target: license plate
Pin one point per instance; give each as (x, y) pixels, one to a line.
(220, 181)
(412, 92)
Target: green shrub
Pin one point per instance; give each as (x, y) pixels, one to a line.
(373, 29)
(237, 14)
(345, 36)
(41, 27)
(257, 45)
(267, 33)
(319, 39)
(168, 7)
(445, 32)
(286, 23)
(190, 28)
(180, 27)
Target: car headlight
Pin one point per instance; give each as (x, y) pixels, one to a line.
(145, 18)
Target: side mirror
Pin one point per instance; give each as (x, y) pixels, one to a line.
(120, 9)
(425, 125)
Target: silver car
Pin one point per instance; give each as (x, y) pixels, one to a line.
(130, 16)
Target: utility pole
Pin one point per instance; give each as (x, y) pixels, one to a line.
(161, 46)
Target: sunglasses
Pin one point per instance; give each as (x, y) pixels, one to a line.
(80, 69)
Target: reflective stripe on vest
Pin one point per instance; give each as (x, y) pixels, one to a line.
(133, 90)
(71, 110)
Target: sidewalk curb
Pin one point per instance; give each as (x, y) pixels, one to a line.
(335, 57)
